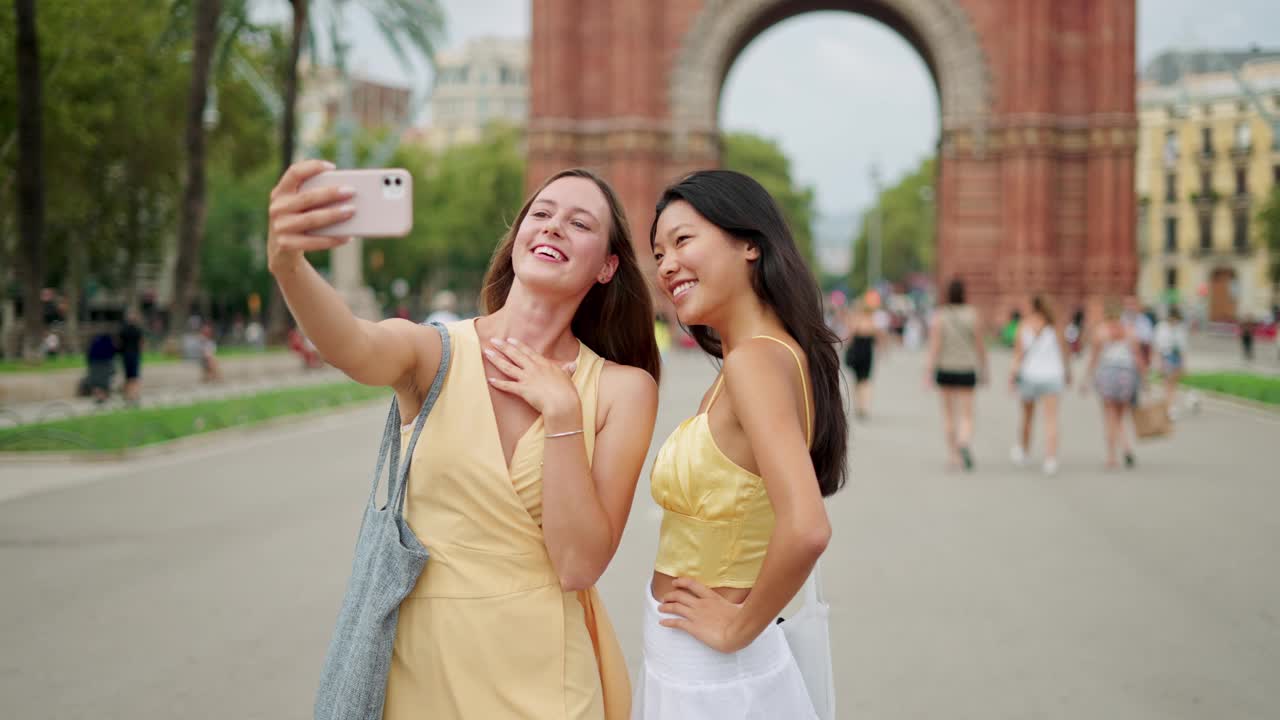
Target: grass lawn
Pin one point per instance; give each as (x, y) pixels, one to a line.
(67, 362)
(1258, 388)
(122, 429)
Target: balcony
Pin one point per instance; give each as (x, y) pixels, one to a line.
(1205, 157)
(1240, 154)
(1204, 201)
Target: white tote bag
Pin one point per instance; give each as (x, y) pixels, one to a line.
(808, 633)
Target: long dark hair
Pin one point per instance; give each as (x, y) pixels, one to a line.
(738, 205)
(627, 338)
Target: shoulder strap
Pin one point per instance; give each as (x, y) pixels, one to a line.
(715, 392)
(399, 474)
(804, 387)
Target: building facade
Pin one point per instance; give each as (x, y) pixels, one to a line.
(1207, 161)
(375, 105)
(482, 83)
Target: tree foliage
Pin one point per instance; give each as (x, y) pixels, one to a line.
(464, 200)
(762, 159)
(907, 229)
(1269, 229)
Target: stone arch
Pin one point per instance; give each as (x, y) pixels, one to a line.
(940, 30)
(1034, 192)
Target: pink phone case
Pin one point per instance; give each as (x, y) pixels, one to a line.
(383, 201)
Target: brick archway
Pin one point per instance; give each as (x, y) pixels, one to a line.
(1038, 131)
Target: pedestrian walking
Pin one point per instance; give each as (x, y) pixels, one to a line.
(745, 477)
(100, 358)
(131, 341)
(1247, 330)
(1041, 370)
(1141, 326)
(1171, 346)
(520, 486)
(859, 355)
(957, 364)
(1116, 369)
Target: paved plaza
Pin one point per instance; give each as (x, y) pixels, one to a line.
(204, 583)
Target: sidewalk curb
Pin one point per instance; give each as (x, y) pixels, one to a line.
(1234, 402)
(172, 447)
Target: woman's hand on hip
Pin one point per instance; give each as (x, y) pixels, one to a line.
(704, 614)
(547, 386)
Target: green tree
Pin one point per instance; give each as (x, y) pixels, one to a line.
(1269, 227)
(186, 274)
(30, 173)
(762, 159)
(405, 25)
(111, 96)
(464, 200)
(907, 227)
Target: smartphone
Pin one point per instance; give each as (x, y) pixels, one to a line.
(383, 202)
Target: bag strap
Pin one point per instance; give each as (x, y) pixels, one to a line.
(397, 476)
(812, 590)
(446, 355)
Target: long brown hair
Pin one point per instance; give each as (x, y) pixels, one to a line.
(741, 207)
(1041, 305)
(627, 337)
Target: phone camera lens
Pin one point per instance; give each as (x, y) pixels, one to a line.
(386, 181)
(397, 181)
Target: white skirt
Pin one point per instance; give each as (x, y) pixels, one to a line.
(683, 679)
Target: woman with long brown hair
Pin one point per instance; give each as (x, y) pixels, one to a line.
(523, 477)
(1041, 370)
(741, 482)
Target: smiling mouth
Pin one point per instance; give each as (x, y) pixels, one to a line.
(682, 289)
(550, 253)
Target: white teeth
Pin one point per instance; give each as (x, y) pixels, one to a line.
(547, 251)
(683, 288)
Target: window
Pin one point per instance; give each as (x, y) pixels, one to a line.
(1241, 230)
(1206, 140)
(505, 75)
(1171, 235)
(1170, 149)
(1206, 231)
(1242, 181)
(1206, 110)
(1275, 174)
(1171, 278)
(1243, 136)
(482, 109)
(1206, 183)
(1170, 187)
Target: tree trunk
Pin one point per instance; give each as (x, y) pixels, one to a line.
(30, 177)
(74, 293)
(277, 311)
(186, 273)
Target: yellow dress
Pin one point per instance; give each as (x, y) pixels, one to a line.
(487, 633)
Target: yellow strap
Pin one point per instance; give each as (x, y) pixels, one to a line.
(715, 393)
(804, 386)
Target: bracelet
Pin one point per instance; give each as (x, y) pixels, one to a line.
(564, 434)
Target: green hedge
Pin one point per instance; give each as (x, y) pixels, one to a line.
(131, 428)
(1259, 388)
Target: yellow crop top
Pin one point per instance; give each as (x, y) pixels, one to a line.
(717, 516)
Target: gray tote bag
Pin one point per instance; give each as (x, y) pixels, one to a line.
(388, 560)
